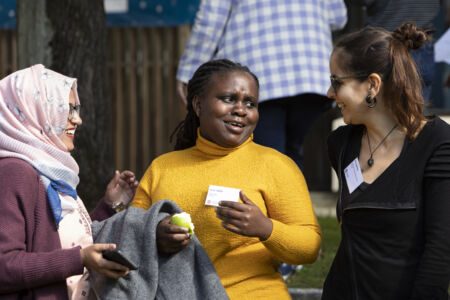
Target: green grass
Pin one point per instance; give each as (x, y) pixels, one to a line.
(313, 276)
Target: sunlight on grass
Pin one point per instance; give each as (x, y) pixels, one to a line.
(313, 276)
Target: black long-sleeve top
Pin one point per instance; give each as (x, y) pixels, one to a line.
(396, 230)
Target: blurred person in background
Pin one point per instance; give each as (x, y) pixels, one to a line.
(390, 14)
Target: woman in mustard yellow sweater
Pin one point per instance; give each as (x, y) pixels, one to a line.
(274, 219)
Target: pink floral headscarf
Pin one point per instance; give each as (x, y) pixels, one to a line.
(34, 106)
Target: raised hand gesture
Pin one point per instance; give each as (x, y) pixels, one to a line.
(121, 188)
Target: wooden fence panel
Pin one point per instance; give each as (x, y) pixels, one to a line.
(144, 91)
(142, 64)
(150, 110)
(116, 94)
(3, 54)
(131, 98)
(8, 52)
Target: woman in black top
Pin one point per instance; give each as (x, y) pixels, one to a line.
(393, 166)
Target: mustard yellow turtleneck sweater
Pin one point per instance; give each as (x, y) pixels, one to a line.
(246, 266)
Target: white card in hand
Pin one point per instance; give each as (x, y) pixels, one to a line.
(353, 175)
(221, 193)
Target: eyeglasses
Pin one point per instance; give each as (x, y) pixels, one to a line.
(72, 110)
(336, 82)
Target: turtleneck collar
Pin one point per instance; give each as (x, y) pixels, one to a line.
(211, 148)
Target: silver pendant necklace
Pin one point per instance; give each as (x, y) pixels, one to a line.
(370, 161)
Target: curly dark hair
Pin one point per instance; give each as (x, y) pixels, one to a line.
(186, 131)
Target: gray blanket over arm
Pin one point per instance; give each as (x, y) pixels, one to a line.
(188, 274)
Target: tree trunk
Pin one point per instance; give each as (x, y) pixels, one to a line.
(69, 37)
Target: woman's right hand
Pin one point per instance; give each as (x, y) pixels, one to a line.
(92, 259)
(171, 238)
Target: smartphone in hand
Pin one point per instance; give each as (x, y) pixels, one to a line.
(118, 257)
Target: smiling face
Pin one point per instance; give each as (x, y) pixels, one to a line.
(350, 93)
(228, 109)
(71, 126)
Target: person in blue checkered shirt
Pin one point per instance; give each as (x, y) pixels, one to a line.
(287, 44)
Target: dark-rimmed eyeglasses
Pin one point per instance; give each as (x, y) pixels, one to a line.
(72, 110)
(336, 81)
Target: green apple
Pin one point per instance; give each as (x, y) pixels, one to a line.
(184, 220)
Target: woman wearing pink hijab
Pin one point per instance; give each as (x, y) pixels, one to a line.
(46, 241)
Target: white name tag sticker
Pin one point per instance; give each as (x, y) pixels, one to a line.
(221, 193)
(353, 175)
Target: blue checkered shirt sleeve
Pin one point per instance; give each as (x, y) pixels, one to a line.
(209, 25)
(286, 43)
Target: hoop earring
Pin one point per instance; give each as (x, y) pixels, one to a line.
(371, 101)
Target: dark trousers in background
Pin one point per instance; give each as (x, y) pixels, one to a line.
(284, 123)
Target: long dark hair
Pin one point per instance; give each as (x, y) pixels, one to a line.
(376, 50)
(186, 131)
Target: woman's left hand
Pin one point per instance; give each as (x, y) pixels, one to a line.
(121, 188)
(244, 218)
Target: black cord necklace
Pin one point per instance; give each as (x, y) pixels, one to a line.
(370, 161)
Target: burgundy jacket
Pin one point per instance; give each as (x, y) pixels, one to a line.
(32, 263)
